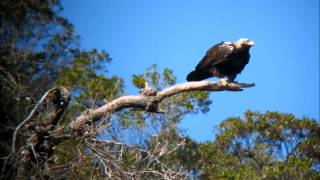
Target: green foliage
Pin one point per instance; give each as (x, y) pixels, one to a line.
(36, 42)
(83, 78)
(186, 102)
(263, 146)
(186, 156)
(38, 50)
(76, 160)
(138, 81)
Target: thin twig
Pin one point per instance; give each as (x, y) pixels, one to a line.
(104, 165)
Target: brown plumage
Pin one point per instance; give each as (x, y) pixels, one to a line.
(226, 59)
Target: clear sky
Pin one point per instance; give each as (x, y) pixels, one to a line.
(284, 62)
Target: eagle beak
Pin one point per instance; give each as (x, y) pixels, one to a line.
(251, 43)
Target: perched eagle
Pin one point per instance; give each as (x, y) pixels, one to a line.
(226, 59)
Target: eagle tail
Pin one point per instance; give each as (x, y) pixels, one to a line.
(197, 76)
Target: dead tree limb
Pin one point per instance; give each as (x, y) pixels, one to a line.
(150, 102)
(38, 141)
(31, 114)
(42, 134)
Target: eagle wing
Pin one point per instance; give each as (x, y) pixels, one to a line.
(215, 55)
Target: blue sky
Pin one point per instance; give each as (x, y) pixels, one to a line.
(284, 63)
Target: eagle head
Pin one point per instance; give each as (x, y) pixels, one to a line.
(244, 42)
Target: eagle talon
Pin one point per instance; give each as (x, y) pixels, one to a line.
(223, 82)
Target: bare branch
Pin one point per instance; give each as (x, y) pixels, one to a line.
(150, 103)
(48, 134)
(29, 117)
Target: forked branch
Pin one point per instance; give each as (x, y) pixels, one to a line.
(150, 102)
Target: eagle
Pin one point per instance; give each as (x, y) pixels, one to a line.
(226, 59)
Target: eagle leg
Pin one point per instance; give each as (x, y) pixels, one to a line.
(232, 78)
